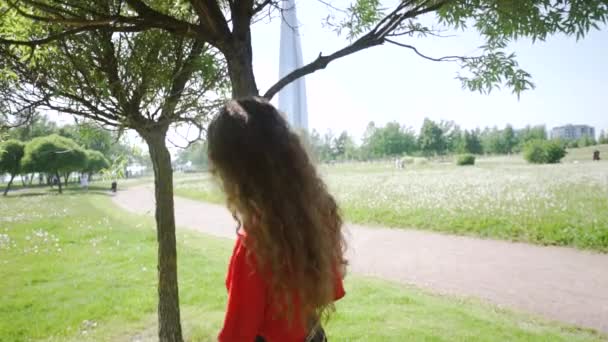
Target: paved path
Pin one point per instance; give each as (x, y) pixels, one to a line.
(559, 283)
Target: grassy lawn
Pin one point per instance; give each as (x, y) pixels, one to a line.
(74, 267)
(96, 184)
(586, 153)
(500, 197)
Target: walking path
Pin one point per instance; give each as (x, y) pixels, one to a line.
(563, 284)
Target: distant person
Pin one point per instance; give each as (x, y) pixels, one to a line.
(596, 155)
(288, 263)
(84, 180)
(114, 186)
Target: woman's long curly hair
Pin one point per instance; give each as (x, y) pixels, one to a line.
(292, 223)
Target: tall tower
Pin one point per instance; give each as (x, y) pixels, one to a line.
(292, 98)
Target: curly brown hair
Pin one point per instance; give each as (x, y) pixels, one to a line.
(293, 225)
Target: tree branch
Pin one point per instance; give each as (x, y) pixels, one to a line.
(61, 35)
(181, 77)
(260, 7)
(321, 62)
(376, 36)
(212, 19)
(440, 59)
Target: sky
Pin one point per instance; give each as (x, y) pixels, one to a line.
(389, 83)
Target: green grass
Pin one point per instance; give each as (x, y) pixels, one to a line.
(96, 184)
(500, 197)
(585, 153)
(74, 267)
(200, 187)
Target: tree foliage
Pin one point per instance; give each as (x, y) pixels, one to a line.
(38, 126)
(95, 162)
(55, 155)
(365, 23)
(146, 79)
(544, 151)
(603, 138)
(390, 140)
(431, 139)
(90, 136)
(195, 154)
(471, 143)
(11, 153)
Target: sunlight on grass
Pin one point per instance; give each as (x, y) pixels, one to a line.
(500, 197)
(74, 267)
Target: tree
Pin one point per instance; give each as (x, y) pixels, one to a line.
(397, 140)
(321, 150)
(370, 129)
(509, 141)
(530, 133)
(90, 136)
(147, 81)
(55, 155)
(453, 135)
(95, 162)
(196, 154)
(11, 153)
(431, 140)
(586, 140)
(492, 141)
(38, 126)
(603, 139)
(343, 146)
(226, 26)
(471, 143)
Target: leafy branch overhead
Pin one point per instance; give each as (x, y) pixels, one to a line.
(225, 25)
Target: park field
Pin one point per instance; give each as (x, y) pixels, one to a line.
(76, 268)
(505, 198)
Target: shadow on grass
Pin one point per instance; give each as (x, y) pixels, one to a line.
(70, 191)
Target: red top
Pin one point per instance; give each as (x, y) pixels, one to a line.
(248, 314)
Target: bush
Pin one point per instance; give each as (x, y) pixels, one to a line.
(466, 159)
(544, 152)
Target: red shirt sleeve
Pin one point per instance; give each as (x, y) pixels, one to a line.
(246, 298)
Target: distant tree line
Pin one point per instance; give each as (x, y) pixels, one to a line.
(433, 139)
(196, 154)
(49, 152)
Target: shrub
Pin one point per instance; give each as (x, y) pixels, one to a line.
(465, 159)
(555, 152)
(544, 152)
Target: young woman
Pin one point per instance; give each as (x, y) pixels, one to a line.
(288, 263)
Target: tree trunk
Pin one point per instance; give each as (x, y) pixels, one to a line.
(31, 179)
(240, 68)
(23, 181)
(168, 294)
(67, 178)
(8, 186)
(58, 182)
